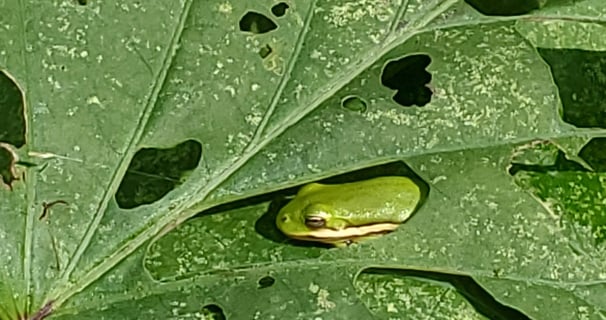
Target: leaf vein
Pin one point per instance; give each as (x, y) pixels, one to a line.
(122, 165)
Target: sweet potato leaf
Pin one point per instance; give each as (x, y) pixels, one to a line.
(107, 216)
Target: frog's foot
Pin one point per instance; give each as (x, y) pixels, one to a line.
(349, 242)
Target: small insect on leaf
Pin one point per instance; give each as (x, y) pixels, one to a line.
(47, 206)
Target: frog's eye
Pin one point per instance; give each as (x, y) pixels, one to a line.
(315, 222)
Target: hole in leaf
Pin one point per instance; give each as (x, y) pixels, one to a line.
(409, 78)
(558, 162)
(266, 282)
(12, 112)
(279, 9)
(82, 2)
(504, 7)
(464, 295)
(170, 258)
(213, 312)
(256, 23)
(593, 153)
(573, 191)
(354, 103)
(580, 76)
(8, 172)
(154, 172)
(394, 169)
(265, 51)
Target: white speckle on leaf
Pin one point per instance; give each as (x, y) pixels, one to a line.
(323, 301)
(225, 8)
(244, 138)
(271, 157)
(94, 100)
(438, 179)
(315, 54)
(117, 82)
(72, 111)
(393, 115)
(254, 118)
(231, 90)
(313, 168)
(353, 11)
(391, 308)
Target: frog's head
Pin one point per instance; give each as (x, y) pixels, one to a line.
(322, 223)
(298, 219)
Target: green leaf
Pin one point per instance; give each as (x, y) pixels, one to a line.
(159, 139)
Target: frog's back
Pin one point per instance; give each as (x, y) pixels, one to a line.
(392, 197)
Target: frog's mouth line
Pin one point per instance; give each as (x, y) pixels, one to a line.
(331, 235)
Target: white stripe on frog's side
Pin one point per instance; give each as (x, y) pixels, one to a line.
(331, 235)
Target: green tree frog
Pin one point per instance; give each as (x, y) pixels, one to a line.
(340, 214)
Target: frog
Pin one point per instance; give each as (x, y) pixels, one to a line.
(347, 213)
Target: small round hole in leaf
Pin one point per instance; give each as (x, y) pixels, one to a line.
(410, 79)
(256, 23)
(266, 282)
(265, 51)
(82, 2)
(213, 312)
(279, 9)
(354, 103)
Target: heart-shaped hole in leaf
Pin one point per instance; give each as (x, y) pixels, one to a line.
(410, 79)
